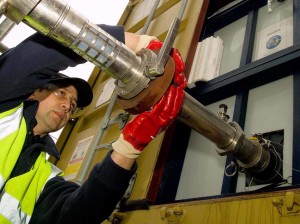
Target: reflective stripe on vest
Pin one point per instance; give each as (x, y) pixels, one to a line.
(10, 121)
(20, 193)
(12, 137)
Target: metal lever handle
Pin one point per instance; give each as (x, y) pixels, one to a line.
(164, 52)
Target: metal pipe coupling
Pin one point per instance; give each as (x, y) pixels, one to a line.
(250, 155)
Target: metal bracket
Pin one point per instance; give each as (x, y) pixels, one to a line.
(172, 215)
(121, 119)
(106, 146)
(288, 205)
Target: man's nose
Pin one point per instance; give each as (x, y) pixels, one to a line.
(66, 105)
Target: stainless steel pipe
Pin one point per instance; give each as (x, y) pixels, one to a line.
(229, 138)
(206, 123)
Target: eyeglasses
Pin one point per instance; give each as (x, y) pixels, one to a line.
(64, 95)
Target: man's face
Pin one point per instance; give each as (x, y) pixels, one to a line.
(55, 108)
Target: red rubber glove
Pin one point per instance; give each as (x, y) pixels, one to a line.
(140, 131)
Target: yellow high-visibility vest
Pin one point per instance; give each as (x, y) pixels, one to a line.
(19, 194)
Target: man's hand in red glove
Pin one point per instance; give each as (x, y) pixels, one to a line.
(139, 132)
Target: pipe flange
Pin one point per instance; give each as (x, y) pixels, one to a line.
(260, 162)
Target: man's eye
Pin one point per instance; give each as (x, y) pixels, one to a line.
(61, 93)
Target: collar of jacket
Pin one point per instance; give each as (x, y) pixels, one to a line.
(30, 110)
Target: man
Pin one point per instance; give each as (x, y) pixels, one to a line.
(35, 99)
